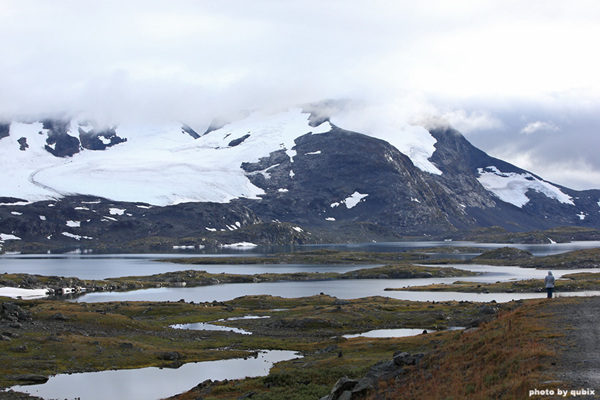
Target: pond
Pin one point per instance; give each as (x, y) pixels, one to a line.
(153, 383)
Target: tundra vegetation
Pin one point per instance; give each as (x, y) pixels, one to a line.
(501, 350)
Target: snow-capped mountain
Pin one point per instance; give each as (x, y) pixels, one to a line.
(320, 174)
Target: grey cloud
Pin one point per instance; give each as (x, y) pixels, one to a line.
(116, 61)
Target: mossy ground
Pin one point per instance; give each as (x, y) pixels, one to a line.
(66, 337)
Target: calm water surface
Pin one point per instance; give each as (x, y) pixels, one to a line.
(153, 383)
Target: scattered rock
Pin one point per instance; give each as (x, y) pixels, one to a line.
(402, 358)
(171, 356)
(14, 313)
(30, 378)
(349, 389)
(59, 317)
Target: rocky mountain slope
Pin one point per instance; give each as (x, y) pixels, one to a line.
(287, 177)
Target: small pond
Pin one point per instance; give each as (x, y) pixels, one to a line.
(153, 383)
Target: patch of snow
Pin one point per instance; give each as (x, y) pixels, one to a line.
(354, 199)
(210, 229)
(350, 201)
(91, 202)
(74, 224)
(16, 203)
(116, 211)
(240, 245)
(144, 207)
(512, 188)
(292, 174)
(329, 219)
(7, 236)
(76, 237)
(105, 218)
(581, 215)
(183, 247)
(42, 217)
(27, 294)
(415, 200)
(282, 190)
(16, 213)
(297, 229)
(313, 153)
(82, 208)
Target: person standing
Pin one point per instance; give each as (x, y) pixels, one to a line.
(549, 284)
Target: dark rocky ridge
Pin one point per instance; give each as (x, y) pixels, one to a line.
(401, 198)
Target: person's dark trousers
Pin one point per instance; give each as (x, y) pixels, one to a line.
(549, 290)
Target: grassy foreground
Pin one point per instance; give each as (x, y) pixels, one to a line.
(54, 337)
(505, 357)
(502, 359)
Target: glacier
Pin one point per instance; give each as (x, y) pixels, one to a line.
(164, 165)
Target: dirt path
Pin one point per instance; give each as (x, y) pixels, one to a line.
(577, 368)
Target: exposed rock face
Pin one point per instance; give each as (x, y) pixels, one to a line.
(59, 142)
(313, 188)
(13, 313)
(4, 130)
(93, 140)
(22, 144)
(351, 389)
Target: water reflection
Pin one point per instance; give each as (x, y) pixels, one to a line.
(204, 326)
(393, 333)
(153, 383)
(102, 266)
(387, 333)
(347, 288)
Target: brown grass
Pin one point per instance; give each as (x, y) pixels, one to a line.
(502, 359)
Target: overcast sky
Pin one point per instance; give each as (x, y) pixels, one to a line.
(518, 78)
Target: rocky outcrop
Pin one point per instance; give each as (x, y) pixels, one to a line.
(85, 221)
(4, 130)
(59, 143)
(23, 144)
(505, 253)
(352, 389)
(99, 140)
(13, 313)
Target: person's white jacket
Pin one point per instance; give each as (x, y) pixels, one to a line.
(549, 280)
